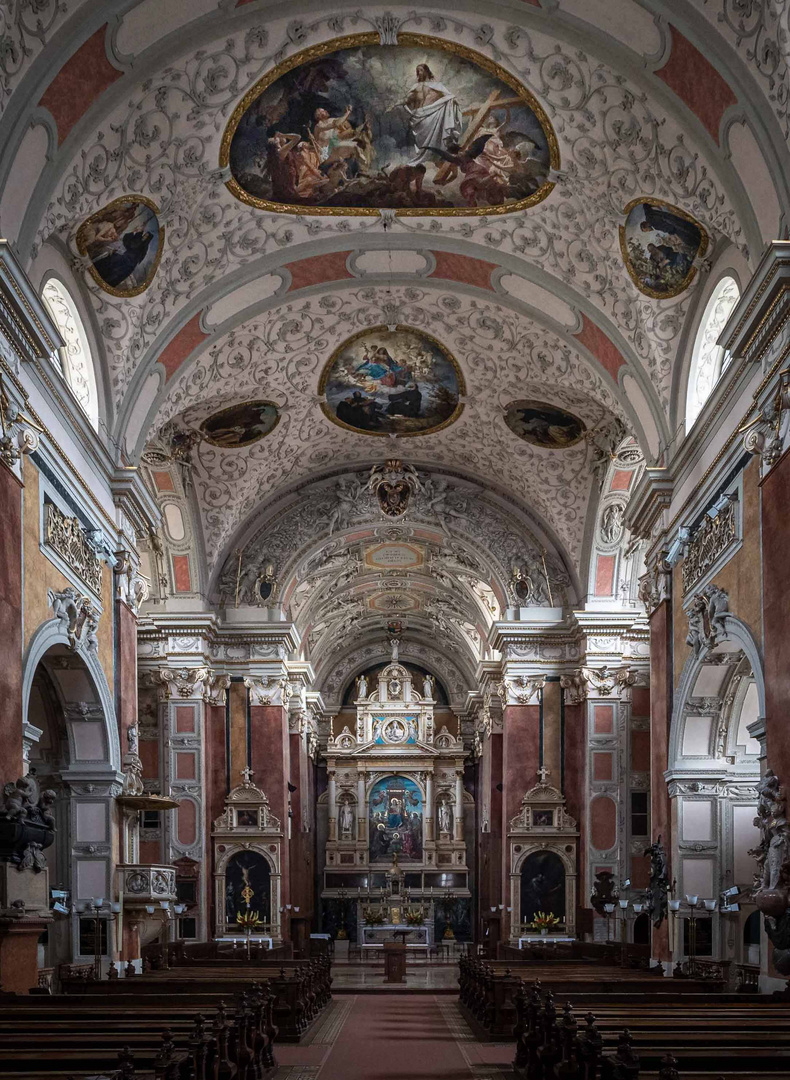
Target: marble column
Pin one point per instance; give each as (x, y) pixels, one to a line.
(332, 805)
(429, 832)
(11, 767)
(459, 804)
(361, 807)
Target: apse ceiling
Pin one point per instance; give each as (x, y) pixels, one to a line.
(229, 186)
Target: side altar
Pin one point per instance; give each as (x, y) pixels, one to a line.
(395, 808)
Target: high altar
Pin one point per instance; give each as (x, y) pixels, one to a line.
(395, 852)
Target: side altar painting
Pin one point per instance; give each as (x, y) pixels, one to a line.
(396, 806)
(392, 382)
(423, 126)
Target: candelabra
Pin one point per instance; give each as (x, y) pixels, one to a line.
(623, 904)
(106, 912)
(692, 908)
(170, 915)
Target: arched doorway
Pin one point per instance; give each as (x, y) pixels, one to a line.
(714, 768)
(72, 746)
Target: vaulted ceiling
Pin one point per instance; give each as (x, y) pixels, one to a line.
(683, 102)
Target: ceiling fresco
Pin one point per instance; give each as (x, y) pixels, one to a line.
(423, 126)
(298, 240)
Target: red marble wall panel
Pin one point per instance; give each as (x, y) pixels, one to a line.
(185, 719)
(601, 346)
(520, 761)
(640, 872)
(82, 79)
(163, 481)
(127, 669)
(149, 755)
(604, 575)
(775, 499)
(660, 718)
(216, 778)
(270, 757)
(640, 751)
(640, 701)
(318, 270)
(463, 269)
(602, 766)
(181, 575)
(187, 822)
(603, 823)
(603, 719)
(150, 852)
(697, 82)
(185, 766)
(175, 353)
(621, 480)
(10, 626)
(575, 786)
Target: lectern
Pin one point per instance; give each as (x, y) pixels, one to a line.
(394, 961)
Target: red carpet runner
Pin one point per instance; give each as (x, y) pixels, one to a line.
(395, 1038)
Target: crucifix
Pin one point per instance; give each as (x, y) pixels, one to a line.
(543, 772)
(247, 774)
(478, 118)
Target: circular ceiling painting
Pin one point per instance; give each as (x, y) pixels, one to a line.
(240, 425)
(422, 127)
(544, 425)
(392, 382)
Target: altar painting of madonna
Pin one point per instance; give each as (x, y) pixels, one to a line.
(421, 127)
(392, 382)
(395, 819)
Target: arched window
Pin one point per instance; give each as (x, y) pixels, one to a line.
(74, 359)
(707, 359)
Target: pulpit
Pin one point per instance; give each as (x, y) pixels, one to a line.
(394, 961)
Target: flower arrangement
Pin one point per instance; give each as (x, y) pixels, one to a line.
(414, 917)
(544, 920)
(248, 920)
(373, 916)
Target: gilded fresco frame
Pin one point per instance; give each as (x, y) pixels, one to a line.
(240, 405)
(703, 246)
(94, 273)
(351, 41)
(324, 379)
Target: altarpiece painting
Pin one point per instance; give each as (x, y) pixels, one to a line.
(396, 806)
(424, 126)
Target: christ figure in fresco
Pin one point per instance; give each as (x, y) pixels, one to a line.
(434, 116)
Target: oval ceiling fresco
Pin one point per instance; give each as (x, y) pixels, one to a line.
(123, 242)
(544, 425)
(392, 382)
(659, 243)
(240, 425)
(421, 127)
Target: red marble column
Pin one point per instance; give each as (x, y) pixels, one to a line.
(491, 878)
(10, 627)
(270, 758)
(660, 720)
(575, 788)
(520, 762)
(301, 846)
(126, 623)
(774, 500)
(216, 780)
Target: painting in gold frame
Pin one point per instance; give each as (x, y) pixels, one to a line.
(392, 382)
(124, 243)
(426, 126)
(660, 244)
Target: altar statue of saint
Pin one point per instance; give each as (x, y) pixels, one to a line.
(445, 818)
(427, 687)
(362, 687)
(346, 817)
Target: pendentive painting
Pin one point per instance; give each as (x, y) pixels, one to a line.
(395, 819)
(123, 242)
(659, 243)
(423, 126)
(544, 425)
(392, 382)
(240, 425)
